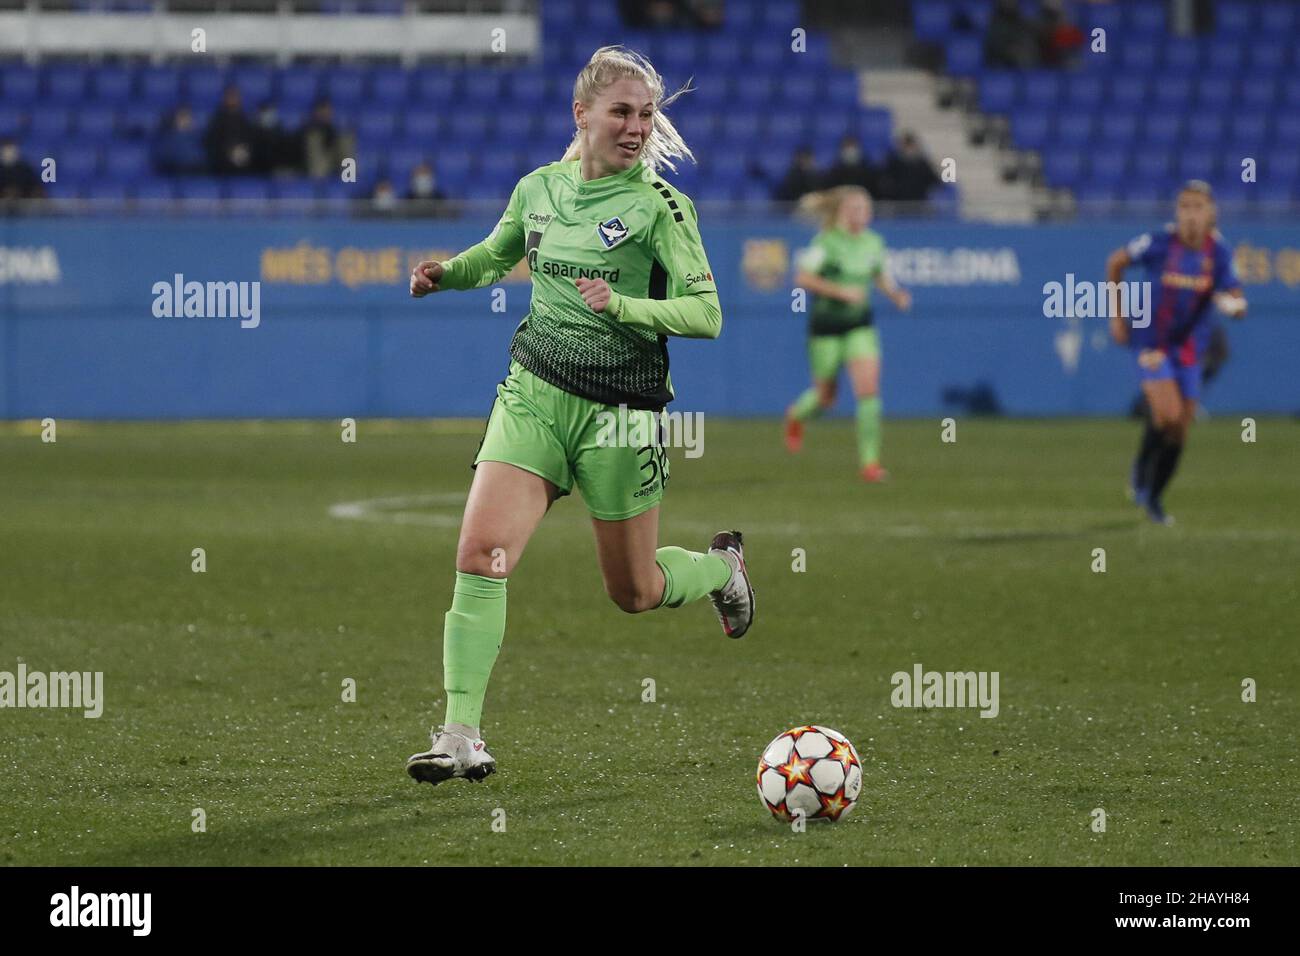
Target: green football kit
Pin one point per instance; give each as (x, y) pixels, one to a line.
(840, 331)
(581, 381)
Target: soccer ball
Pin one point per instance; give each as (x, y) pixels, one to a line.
(813, 769)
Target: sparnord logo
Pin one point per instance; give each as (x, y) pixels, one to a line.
(75, 689)
(208, 300)
(923, 688)
(103, 909)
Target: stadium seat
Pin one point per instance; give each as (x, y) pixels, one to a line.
(160, 86)
(1201, 163)
(1118, 128)
(65, 85)
(389, 85)
(112, 84)
(256, 84)
(77, 159)
(1063, 168)
(1234, 18)
(50, 122)
(998, 91)
(1074, 129)
(1214, 92)
(1277, 18)
(1144, 16)
(204, 85)
(841, 90)
(1042, 90)
(1225, 55)
(931, 19)
(1205, 130)
(126, 160)
(1259, 91)
(1249, 130)
(1161, 130)
(1083, 91)
(96, 122)
(1182, 55)
(344, 86)
(298, 86)
(965, 54)
(1129, 92)
(19, 84)
(1031, 130)
(13, 121)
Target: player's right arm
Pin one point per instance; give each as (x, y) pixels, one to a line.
(1116, 263)
(479, 265)
(806, 276)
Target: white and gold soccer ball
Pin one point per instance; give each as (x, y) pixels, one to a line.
(810, 770)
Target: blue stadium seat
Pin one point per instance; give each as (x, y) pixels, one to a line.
(126, 161)
(785, 129)
(1214, 92)
(1282, 165)
(502, 166)
(1182, 55)
(389, 85)
(1129, 92)
(51, 122)
(1063, 168)
(1205, 129)
(113, 84)
(515, 127)
(204, 85)
(105, 194)
(248, 191)
(780, 15)
(454, 165)
(1235, 18)
(1042, 90)
(1267, 55)
(1225, 55)
(12, 121)
(1274, 191)
(1152, 166)
(1277, 18)
(1286, 131)
(1162, 130)
(1118, 129)
(19, 84)
(1259, 91)
(1031, 130)
(1200, 163)
(875, 128)
(77, 159)
(154, 190)
(757, 91)
(1138, 53)
(931, 19)
(1108, 16)
(965, 54)
(1074, 129)
(1172, 92)
(1144, 16)
(435, 86)
(799, 90)
(256, 84)
(298, 86)
(1084, 91)
(723, 51)
(740, 127)
(998, 91)
(468, 127)
(160, 85)
(65, 85)
(422, 124)
(297, 191)
(376, 126)
(1249, 130)
(528, 89)
(841, 90)
(1108, 168)
(96, 122)
(344, 86)
(139, 119)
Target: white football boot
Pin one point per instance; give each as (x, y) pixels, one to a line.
(734, 601)
(451, 755)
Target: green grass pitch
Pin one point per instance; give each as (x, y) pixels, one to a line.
(223, 690)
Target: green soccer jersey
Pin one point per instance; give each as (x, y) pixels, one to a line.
(845, 259)
(631, 229)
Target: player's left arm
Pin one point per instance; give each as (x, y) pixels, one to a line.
(1228, 296)
(896, 294)
(692, 309)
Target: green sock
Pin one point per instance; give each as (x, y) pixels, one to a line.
(869, 429)
(472, 633)
(689, 575)
(806, 406)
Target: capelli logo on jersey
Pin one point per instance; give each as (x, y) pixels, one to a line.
(612, 232)
(540, 218)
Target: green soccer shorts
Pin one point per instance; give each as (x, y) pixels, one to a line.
(826, 353)
(613, 454)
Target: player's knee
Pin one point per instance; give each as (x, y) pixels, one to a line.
(482, 558)
(826, 395)
(632, 598)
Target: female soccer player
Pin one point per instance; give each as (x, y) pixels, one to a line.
(839, 268)
(617, 266)
(1188, 264)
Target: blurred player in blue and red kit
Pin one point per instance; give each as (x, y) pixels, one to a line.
(1189, 265)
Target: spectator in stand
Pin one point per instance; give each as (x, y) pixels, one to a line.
(382, 201)
(274, 150)
(1012, 39)
(907, 174)
(801, 178)
(18, 178)
(229, 138)
(850, 168)
(1058, 39)
(179, 149)
(324, 145)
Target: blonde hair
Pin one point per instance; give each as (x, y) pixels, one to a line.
(610, 63)
(824, 205)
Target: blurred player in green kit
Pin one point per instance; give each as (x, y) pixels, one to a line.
(839, 268)
(617, 266)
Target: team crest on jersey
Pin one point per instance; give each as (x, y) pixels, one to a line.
(612, 232)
